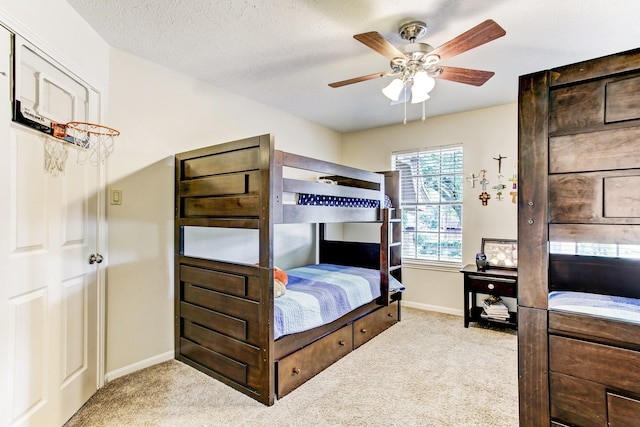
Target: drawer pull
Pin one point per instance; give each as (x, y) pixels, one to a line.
(363, 330)
(342, 342)
(295, 371)
(490, 286)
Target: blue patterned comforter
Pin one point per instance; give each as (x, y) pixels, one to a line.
(319, 294)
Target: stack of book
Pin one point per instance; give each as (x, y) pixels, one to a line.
(494, 309)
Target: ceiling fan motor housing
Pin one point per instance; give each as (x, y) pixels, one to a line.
(413, 30)
(417, 56)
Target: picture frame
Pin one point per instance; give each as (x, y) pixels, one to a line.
(501, 253)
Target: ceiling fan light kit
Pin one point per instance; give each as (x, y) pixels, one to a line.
(393, 89)
(416, 65)
(422, 85)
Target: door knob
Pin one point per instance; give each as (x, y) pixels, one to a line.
(95, 258)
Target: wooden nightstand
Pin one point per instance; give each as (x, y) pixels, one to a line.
(497, 282)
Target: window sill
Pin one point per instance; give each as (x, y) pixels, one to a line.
(448, 267)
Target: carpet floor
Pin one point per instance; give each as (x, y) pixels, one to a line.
(427, 370)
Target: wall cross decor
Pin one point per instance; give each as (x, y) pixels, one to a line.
(484, 196)
(499, 159)
(472, 179)
(514, 187)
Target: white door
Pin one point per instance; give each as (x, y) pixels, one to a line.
(48, 288)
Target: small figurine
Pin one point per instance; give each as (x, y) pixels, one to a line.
(481, 261)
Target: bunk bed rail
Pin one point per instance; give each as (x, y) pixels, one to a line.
(231, 185)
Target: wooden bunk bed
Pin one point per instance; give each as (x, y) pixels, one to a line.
(579, 177)
(224, 311)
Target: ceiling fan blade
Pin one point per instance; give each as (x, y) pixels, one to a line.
(361, 79)
(477, 36)
(378, 43)
(465, 75)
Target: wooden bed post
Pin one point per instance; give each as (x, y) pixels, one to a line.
(268, 169)
(178, 250)
(384, 257)
(533, 249)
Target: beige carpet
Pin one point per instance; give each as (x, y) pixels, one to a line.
(428, 370)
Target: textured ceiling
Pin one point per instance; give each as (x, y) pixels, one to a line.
(284, 53)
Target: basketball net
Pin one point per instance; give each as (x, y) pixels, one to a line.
(95, 142)
(55, 156)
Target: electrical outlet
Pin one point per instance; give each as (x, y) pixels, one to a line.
(115, 197)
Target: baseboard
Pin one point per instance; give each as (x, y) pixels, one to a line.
(436, 308)
(110, 376)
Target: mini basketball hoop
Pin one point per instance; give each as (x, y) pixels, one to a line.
(95, 141)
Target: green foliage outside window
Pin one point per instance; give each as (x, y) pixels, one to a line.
(432, 183)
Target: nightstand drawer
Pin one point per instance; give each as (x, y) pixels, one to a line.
(492, 285)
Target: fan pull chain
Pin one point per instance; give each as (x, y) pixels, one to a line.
(405, 105)
(424, 109)
(404, 122)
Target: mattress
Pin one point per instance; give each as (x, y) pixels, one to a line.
(321, 293)
(608, 306)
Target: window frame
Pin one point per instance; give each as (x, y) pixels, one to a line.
(457, 179)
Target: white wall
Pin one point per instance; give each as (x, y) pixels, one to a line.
(56, 28)
(161, 113)
(484, 134)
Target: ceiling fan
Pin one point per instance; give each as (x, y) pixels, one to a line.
(416, 64)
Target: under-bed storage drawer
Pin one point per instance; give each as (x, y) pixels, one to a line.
(582, 377)
(368, 327)
(302, 365)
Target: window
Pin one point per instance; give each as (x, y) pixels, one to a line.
(431, 182)
(595, 249)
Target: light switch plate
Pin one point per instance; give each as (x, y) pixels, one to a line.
(115, 197)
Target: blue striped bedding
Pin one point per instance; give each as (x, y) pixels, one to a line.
(319, 294)
(613, 307)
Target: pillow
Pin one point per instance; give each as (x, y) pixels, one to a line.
(280, 280)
